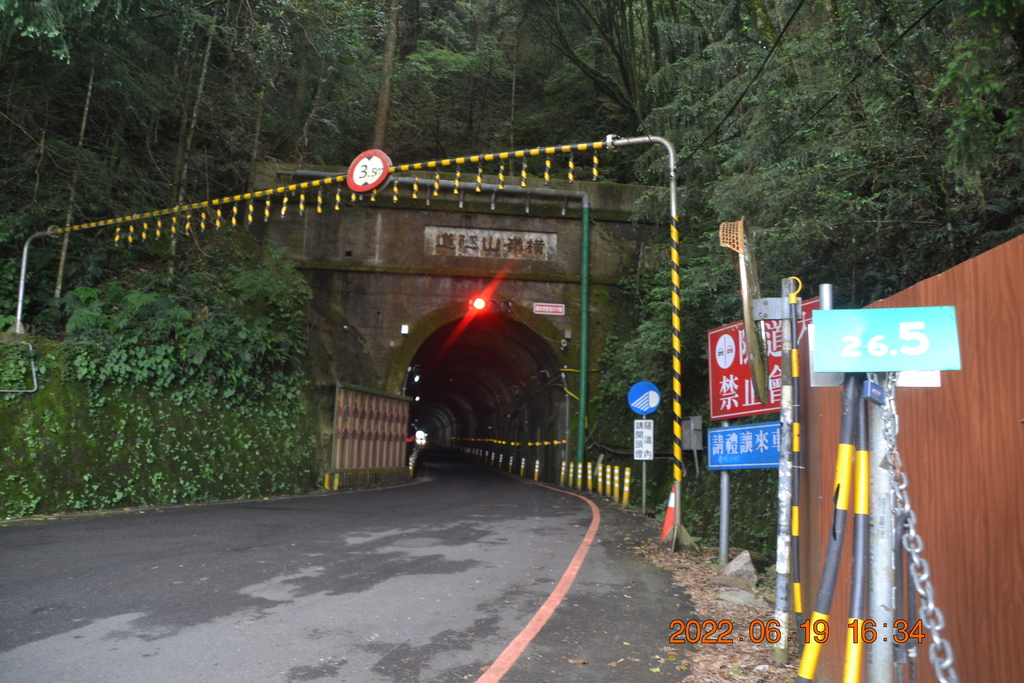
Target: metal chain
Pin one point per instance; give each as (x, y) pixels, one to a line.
(940, 652)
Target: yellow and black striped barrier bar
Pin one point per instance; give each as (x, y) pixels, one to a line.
(503, 156)
(841, 500)
(859, 577)
(130, 220)
(798, 463)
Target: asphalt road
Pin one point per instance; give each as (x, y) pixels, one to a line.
(429, 581)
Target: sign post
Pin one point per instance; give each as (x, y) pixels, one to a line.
(643, 399)
(883, 340)
(754, 446)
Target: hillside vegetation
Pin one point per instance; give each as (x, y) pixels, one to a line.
(869, 144)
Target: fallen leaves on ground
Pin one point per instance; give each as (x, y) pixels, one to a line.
(738, 661)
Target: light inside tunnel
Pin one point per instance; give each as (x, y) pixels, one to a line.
(488, 377)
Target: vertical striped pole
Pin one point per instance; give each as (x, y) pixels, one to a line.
(829, 573)
(581, 417)
(625, 486)
(798, 462)
(561, 476)
(859, 579)
(677, 383)
(615, 483)
(590, 476)
(679, 534)
(536, 469)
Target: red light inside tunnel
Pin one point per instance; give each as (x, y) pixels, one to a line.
(478, 303)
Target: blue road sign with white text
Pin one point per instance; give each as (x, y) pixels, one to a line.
(744, 447)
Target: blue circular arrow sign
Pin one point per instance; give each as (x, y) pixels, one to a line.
(643, 398)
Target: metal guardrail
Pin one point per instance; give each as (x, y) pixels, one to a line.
(35, 379)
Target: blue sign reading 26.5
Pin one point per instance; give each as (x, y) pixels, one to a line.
(886, 340)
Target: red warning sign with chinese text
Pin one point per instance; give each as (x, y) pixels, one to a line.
(731, 389)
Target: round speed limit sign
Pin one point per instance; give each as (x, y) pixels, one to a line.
(368, 170)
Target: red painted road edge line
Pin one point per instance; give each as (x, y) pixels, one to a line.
(519, 644)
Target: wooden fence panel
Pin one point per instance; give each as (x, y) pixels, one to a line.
(962, 447)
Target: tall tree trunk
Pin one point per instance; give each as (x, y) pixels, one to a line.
(515, 75)
(186, 145)
(380, 127)
(758, 10)
(74, 184)
(262, 100)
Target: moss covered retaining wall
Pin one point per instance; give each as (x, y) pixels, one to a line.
(71, 447)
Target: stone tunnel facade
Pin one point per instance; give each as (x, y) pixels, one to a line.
(392, 281)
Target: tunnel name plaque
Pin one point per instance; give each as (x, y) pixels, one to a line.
(478, 243)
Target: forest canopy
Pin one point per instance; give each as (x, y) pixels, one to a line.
(870, 144)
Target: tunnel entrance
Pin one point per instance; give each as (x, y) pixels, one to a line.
(489, 378)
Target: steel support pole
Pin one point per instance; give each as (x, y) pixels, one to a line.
(879, 657)
(581, 421)
(723, 518)
(679, 534)
(783, 541)
(19, 328)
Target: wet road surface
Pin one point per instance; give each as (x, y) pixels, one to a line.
(429, 581)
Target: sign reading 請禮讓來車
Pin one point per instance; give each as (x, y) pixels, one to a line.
(744, 447)
(731, 388)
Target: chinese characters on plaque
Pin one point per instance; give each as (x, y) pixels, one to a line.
(499, 244)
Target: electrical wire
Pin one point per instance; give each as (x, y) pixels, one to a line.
(820, 109)
(754, 80)
(860, 73)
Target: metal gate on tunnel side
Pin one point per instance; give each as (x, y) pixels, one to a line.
(369, 438)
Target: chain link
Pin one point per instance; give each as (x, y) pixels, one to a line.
(940, 652)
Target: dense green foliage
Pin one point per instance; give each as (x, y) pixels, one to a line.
(166, 390)
(869, 145)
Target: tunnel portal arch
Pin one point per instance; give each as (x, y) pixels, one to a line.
(489, 377)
